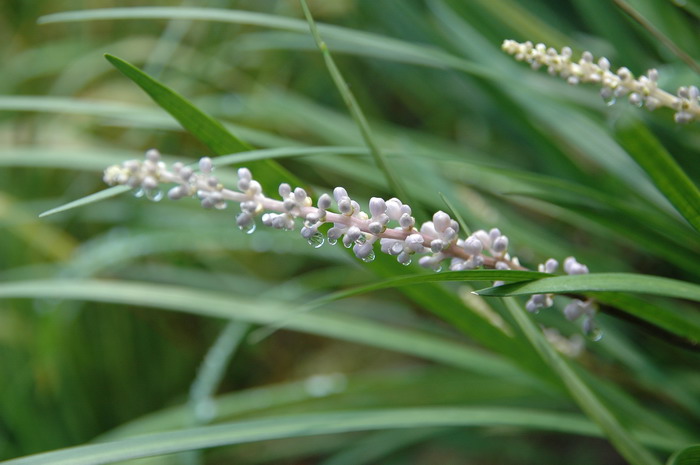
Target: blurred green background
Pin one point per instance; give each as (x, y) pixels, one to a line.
(508, 146)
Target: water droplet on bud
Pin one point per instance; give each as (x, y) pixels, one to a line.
(138, 193)
(316, 240)
(369, 258)
(154, 195)
(332, 241)
(610, 101)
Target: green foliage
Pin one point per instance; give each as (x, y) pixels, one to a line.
(130, 329)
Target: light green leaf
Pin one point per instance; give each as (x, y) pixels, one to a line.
(600, 282)
(603, 285)
(92, 198)
(220, 305)
(316, 424)
(470, 275)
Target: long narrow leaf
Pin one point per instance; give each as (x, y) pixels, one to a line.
(663, 170)
(218, 305)
(600, 282)
(315, 424)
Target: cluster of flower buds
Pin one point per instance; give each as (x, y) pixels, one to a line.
(642, 91)
(576, 308)
(389, 222)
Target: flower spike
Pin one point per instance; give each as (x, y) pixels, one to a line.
(389, 222)
(642, 91)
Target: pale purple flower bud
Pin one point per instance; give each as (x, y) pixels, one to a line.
(571, 266)
(437, 245)
(339, 193)
(334, 233)
(289, 204)
(404, 258)
(284, 190)
(307, 232)
(574, 310)
(502, 266)
(363, 250)
(324, 201)
(551, 265)
(353, 233)
(149, 182)
(375, 227)
(500, 245)
(244, 219)
(300, 195)
(397, 248)
(449, 234)
(186, 173)
(345, 206)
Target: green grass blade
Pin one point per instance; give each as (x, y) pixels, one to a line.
(200, 124)
(663, 170)
(355, 110)
(684, 325)
(600, 282)
(365, 43)
(92, 198)
(665, 317)
(220, 305)
(470, 275)
(627, 445)
(453, 212)
(316, 424)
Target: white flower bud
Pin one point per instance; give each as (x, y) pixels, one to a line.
(483, 237)
(441, 221)
(244, 173)
(473, 245)
(205, 165)
(415, 242)
(393, 209)
(437, 245)
(339, 193)
(153, 155)
(407, 221)
(377, 206)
